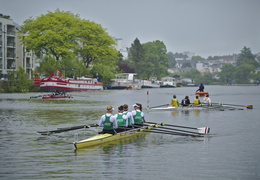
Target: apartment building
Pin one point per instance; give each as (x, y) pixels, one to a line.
(12, 53)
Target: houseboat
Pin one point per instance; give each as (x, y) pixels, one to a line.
(58, 82)
(168, 82)
(125, 81)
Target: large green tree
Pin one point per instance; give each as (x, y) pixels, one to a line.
(227, 73)
(171, 58)
(243, 73)
(51, 34)
(246, 57)
(155, 61)
(94, 43)
(136, 54)
(148, 59)
(65, 36)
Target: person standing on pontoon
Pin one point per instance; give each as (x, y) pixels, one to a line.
(138, 115)
(121, 119)
(129, 116)
(108, 121)
(201, 88)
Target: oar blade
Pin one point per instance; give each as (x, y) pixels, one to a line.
(249, 106)
(204, 130)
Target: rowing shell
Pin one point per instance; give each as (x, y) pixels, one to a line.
(56, 97)
(169, 108)
(132, 133)
(104, 138)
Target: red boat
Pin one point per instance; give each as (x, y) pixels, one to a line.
(56, 96)
(201, 93)
(58, 82)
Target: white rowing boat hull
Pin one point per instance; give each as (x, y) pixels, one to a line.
(169, 108)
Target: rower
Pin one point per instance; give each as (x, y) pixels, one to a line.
(207, 100)
(121, 119)
(174, 102)
(138, 115)
(108, 121)
(185, 101)
(196, 101)
(129, 116)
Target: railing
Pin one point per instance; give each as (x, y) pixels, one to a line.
(11, 44)
(12, 33)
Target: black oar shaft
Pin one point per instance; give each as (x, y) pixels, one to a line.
(66, 129)
(159, 106)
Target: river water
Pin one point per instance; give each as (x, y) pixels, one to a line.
(232, 151)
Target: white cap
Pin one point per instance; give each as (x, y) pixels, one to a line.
(136, 105)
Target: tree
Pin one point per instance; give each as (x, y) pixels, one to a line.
(18, 83)
(207, 78)
(246, 57)
(51, 34)
(227, 73)
(94, 43)
(136, 54)
(197, 58)
(155, 60)
(192, 74)
(243, 73)
(171, 59)
(66, 37)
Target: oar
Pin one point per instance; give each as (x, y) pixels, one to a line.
(203, 130)
(159, 106)
(166, 132)
(247, 106)
(172, 129)
(80, 95)
(66, 129)
(154, 128)
(40, 96)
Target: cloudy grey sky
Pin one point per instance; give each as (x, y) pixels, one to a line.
(204, 27)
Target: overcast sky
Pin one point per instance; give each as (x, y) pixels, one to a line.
(204, 27)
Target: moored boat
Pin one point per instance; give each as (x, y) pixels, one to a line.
(168, 82)
(58, 82)
(125, 81)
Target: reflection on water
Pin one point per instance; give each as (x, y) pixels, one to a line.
(231, 151)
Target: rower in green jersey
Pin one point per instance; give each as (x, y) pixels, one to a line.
(121, 119)
(108, 121)
(138, 115)
(129, 116)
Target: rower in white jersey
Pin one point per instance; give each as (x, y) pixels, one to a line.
(108, 121)
(129, 116)
(138, 115)
(121, 119)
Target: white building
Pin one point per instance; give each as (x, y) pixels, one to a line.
(12, 53)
